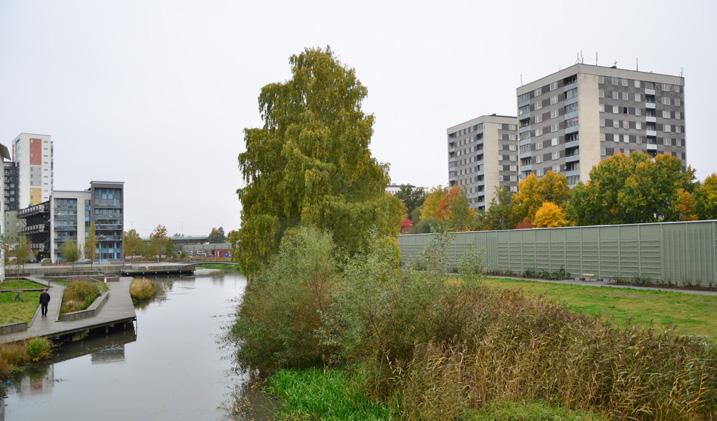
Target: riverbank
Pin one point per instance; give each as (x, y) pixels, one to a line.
(427, 345)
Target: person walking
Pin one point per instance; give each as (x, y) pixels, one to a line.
(44, 301)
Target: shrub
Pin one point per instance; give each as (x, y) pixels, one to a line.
(280, 315)
(79, 295)
(38, 349)
(142, 289)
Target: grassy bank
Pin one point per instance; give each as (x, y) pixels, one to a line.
(688, 314)
(79, 294)
(15, 357)
(433, 346)
(230, 267)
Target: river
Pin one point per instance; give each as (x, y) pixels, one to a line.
(174, 366)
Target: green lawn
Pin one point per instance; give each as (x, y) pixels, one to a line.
(231, 267)
(12, 311)
(689, 314)
(13, 284)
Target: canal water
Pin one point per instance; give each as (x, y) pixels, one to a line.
(173, 366)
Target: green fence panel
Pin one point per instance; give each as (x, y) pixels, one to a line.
(671, 253)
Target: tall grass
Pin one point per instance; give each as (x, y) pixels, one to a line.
(14, 356)
(440, 346)
(79, 294)
(142, 289)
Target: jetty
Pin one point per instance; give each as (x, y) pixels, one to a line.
(112, 310)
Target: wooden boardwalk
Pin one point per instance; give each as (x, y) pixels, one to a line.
(118, 309)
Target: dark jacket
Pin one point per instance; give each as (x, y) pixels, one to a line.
(44, 298)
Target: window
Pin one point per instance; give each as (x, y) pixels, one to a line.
(624, 82)
(625, 96)
(539, 131)
(666, 87)
(538, 146)
(572, 93)
(539, 118)
(615, 109)
(537, 92)
(637, 83)
(638, 125)
(539, 159)
(554, 99)
(556, 155)
(665, 114)
(667, 128)
(666, 100)
(615, 95)
(556, 168)
(525, 109)
(554, 127)
(571, 108)
(601, 93)
(554, 113)
(554, 86)
(638, 97)
(554, 141)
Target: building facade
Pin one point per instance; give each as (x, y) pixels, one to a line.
(570, 120)
(36, 227)
(11, 195)
(33, 154)
(72, 213)
(483, 157)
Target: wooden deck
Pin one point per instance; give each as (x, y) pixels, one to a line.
(117, 310)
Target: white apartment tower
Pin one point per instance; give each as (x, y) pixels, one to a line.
(33, 155)
(570, 120)
(483, 157)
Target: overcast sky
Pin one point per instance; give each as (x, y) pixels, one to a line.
(157, 93)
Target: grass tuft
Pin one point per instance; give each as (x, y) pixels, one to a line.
(79, 294)
(142, 289)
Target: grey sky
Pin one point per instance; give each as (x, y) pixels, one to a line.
(157, 93)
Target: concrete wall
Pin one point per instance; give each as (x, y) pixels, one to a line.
(589, 123)
(673, 253)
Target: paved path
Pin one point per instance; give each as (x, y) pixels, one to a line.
(118, 308)
(603, 284)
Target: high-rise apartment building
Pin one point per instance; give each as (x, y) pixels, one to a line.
(570, 120)
(72, 213)
(11, 194)
(482, 157)
(33, 155)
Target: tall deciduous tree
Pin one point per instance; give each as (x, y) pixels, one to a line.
(91, 243)
(499, 215)
(23, 253)
(132, 243)
(412, 197)
(159, 242)
(233, 239)
(631, 189)
(70, 251)
(706, 198)
(534, 191)
(432, 203)
(310, 163)
(217, 235)
(549, 215)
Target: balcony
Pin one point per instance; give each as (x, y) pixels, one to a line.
(572, 158)
(524, 168)
(651, 133)
(571, 129)
(649, 91)
(572, 172)
(523, 142)
(572, 144)
(651, 119)
(650, 105)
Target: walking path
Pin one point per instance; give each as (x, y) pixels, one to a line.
(603, 284)
(118, 308)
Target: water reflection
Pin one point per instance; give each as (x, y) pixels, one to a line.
(173, 366)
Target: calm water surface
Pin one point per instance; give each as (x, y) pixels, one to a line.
(174, 367)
